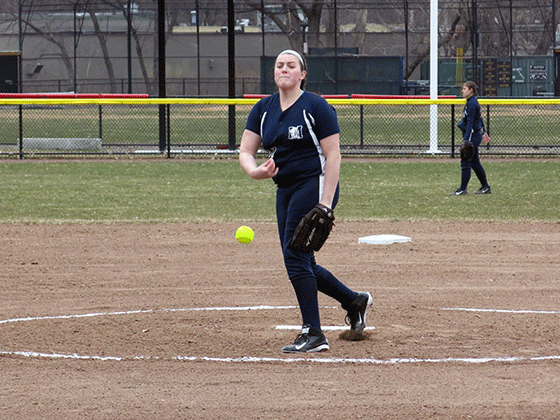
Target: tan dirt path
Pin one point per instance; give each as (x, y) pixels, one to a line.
(466, 316)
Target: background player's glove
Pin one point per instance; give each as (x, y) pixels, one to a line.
(313, 229)
(467, 151)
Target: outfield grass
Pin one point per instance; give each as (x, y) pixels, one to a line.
(219, 191)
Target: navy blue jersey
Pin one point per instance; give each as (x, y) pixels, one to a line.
(472, 119)
(294, 134)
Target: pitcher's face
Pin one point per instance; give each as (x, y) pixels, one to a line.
(287, 72)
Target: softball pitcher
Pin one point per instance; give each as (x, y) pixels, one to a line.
(301, 131)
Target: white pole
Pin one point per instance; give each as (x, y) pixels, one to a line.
(433, 76)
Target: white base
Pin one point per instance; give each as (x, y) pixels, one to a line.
(383, 239)
(323, 327)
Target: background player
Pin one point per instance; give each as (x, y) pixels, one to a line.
(472, 127)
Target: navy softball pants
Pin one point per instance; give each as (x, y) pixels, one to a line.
(474, 164)
(306, 276)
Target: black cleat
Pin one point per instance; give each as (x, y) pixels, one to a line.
(459, 191)
(310, 339)
(357, 311)
(484, 190)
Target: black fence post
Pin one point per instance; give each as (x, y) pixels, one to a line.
(161, 72)
(361, 126)
(21, 131)
(452, 131)
(100, 122)
(168, 131)
(231, 73)
(488, 124)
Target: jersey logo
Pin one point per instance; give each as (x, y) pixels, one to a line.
(295, 133)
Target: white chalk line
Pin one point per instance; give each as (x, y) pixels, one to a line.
(250, 359)
(504, 311)
(144, 311)
(246, 308)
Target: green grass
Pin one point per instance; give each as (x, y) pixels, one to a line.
(521, 191)
(219, 191)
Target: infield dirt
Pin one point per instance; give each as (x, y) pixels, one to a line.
(166, 321)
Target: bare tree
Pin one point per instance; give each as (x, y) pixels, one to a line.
(293, 14)
(451, 34)
(150, 87)
(531, 32)
(47, 31)
(547, 37)
(9, 6)
(104, 50)
(536, 32)
(360, 28)
(174, 14)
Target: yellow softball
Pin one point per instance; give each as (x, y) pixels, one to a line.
(244, 234)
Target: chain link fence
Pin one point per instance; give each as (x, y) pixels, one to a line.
(508, 47)
(214, 128)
